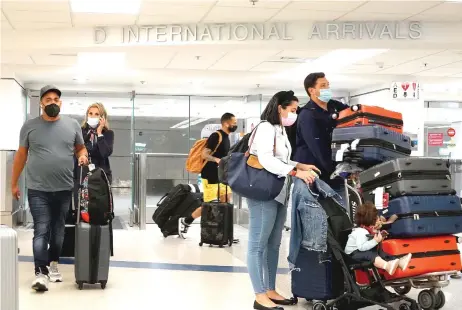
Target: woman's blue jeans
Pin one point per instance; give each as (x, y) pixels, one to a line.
(266, 224)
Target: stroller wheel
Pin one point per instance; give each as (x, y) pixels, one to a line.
(319, 306)
(402, 290)
(427, 299)
(404, 307)
(440, 300)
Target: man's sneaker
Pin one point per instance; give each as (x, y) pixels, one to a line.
(53, 273)
(182, 227)
(40, 283)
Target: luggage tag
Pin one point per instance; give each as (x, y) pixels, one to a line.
(339, 154)
(378, 197)
(354, 144)
(91, 167)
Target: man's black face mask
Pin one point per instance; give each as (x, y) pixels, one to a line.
(52, 110)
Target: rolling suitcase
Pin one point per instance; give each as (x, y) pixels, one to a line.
(431, 254)
(181, 201)
(313, 279)
(93, 249)
(424, 216)
(368, 145)
(9, 277)
(361, 115)
(411, 176)
(217, 227)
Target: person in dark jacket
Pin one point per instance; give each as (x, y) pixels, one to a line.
(315, 126)
(99, 140)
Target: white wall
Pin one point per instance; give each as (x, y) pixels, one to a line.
(12, 113)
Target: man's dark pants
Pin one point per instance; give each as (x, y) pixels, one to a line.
(49, 210)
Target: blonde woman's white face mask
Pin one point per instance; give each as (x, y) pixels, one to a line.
(93, 122)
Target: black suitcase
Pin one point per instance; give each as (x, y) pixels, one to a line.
(369, 145)
(180, 201)
(411, 176)
(190, 203)
(217, 225)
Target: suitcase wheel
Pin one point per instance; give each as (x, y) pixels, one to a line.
(103, 284)
(440, 300)
(221, 245)
(319, 305)
(201, 244)
(80, 285)
(427, 299)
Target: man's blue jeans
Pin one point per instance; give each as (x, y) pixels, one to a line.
(49, 210)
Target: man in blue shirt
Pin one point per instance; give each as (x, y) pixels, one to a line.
(315, 126)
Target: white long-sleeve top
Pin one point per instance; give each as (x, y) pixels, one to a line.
(359, 241)
(262, 147)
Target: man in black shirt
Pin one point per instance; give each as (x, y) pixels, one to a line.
(216, 148)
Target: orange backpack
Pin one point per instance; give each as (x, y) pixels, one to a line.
(195, 163)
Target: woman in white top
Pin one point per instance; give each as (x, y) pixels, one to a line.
(267, 218)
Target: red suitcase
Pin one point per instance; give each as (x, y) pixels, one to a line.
(363, 115)
(430, 254)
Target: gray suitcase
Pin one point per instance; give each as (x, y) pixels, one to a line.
(413, 176)
(93, 249)
(9, 287)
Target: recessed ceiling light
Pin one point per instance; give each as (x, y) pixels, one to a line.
(106, 6)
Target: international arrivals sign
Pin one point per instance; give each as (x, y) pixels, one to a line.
(137, 34)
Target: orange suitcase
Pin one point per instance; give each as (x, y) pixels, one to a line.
(363, 115)
(430, 254)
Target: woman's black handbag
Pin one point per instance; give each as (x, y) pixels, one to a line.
(247, 177)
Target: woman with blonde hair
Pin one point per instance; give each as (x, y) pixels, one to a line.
(98, 138)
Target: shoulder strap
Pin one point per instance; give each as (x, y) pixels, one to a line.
(220, 139)
(252, 137)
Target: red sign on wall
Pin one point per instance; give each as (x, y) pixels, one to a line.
(451, 132)
(435, 139)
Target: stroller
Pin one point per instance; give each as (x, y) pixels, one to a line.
(355, 296)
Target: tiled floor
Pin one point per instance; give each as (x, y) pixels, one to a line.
(150, 272)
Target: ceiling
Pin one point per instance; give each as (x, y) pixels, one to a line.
(221, 69)
(36, 14)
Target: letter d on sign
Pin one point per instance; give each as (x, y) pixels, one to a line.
(99, 35)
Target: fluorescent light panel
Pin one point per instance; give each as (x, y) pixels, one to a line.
(131, 7)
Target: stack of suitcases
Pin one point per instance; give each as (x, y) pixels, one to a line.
(416, 191)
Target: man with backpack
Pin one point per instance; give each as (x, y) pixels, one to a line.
(48, 144)
(216, 147)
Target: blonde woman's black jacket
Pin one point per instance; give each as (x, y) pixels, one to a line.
(98, 152)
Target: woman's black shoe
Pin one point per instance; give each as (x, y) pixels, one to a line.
(285, 302)
(257, 306)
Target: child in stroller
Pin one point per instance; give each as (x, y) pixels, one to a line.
(363, 242)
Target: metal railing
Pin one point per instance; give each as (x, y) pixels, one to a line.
(141, 174)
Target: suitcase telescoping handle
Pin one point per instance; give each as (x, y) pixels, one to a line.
(79, 192)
